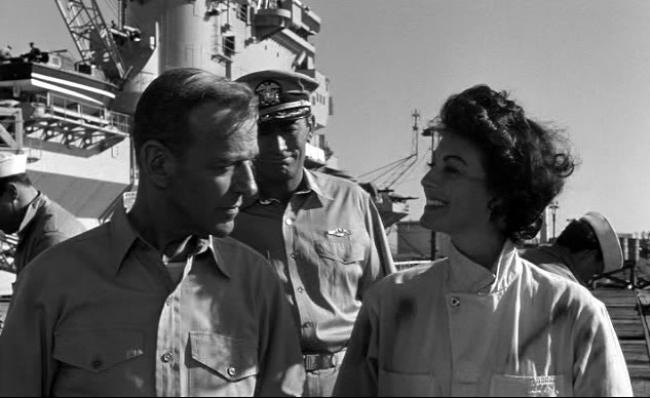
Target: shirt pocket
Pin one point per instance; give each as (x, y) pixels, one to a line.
(341, 250)
(395, 384)
(529, 386)
(96, 350)
(222, 364)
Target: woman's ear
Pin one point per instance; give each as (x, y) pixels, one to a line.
(495, 206)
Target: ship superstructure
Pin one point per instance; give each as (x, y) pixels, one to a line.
(73, 117)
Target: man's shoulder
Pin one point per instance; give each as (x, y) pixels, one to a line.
(238, 255)
(94, 241)
(71, 257)
(330, 183)
(424, 275)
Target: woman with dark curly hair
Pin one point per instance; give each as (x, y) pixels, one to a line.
(484, 321)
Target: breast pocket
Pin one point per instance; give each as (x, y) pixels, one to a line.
(529, 386)
(91, 359)
(97, 350)
(394, 384)
(221, 365)
(342, 250)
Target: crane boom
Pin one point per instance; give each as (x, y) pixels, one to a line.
(92, 37)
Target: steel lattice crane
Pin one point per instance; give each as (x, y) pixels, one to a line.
(93, 37)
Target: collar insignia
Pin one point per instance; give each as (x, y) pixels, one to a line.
(339, 232)
(268, 93)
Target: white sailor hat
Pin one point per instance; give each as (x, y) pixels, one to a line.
(12, 164)
(608, 240)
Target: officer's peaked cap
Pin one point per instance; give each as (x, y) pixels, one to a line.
(282, 95)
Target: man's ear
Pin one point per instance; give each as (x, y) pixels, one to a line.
(311, 124)
(12, 191)
(157, 163)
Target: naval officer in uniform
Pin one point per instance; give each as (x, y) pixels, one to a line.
(322, 234)
(39, 222)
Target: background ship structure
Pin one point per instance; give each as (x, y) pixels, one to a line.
(72, 117)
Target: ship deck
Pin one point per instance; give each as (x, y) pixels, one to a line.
(630, 314)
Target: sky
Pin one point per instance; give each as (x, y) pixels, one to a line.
(581, 65)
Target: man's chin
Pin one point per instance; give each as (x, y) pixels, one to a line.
(223, 229)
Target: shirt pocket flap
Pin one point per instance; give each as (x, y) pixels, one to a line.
(528, 386)
(396, 384)
(96, 350)
(234, 359)
(342, 250)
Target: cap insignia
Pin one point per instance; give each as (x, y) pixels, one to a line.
(268, 93)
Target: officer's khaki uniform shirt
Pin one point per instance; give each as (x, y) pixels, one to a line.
(455, 328)
(44, 225)
(99, 315)
(328, 246)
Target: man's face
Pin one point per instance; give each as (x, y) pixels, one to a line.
(586, 264)
(215, 172)
(282, 149)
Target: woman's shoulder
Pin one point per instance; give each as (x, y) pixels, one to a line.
(559, 289)
(423, 276)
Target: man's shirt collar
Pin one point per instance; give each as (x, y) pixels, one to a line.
(123, 237)
(308, 184)
(32, 208)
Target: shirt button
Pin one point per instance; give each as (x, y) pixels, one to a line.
(232, 371)
(292, 255)
(167, 357)
(308, 325)
(289, 221)
(454, 301)
(300, 289)
(97, 363)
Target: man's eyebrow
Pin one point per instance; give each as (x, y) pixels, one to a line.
(455, 157)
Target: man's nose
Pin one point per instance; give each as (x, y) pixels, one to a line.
(244, 180)
(279, 143)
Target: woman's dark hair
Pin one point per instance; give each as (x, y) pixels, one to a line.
(525, 163)
(579, 236)
(164, 108)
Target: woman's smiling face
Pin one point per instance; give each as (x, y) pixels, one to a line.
(456, 189)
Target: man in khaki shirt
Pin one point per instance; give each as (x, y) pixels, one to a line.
(322, 234)
(159, 301)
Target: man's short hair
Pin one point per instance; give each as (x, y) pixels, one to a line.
(579, 236)
(163, 110)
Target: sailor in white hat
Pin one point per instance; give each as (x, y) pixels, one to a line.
(587, 247)
(39, 222)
